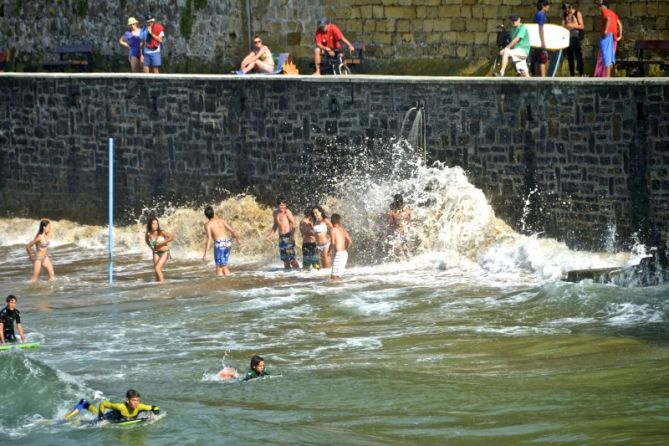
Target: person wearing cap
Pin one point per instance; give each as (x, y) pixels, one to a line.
(133, 42)
(518, 49)
(540, 55)
(328, 40)
(259, 59)
(610, 34)
(152, 36)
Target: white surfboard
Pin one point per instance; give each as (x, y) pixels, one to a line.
(557, 37)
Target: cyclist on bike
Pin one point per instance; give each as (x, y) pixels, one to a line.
(328, 40)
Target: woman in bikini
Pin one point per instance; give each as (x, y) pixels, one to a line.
(321, 230)
(157, 239)
(41, 256)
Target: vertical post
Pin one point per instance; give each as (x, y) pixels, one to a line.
(249, 23)
(111, 210)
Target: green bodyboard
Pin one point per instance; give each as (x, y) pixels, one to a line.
(23, 346)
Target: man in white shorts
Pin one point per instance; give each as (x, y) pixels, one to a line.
(341, 241)
(518, 49)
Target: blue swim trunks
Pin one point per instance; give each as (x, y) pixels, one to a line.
(152, 59)
(608, 49)
(286, 248)
(222, 252)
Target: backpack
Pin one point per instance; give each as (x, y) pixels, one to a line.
(289, 67)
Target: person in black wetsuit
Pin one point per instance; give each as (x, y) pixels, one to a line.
(8, 317)
(257, 369)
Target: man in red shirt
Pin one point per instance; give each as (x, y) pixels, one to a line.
(610, 34)
(328, 37)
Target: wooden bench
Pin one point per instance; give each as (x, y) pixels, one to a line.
(355, 58)
(78, 57)
(639, 67)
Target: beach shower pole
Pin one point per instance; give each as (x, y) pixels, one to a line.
(111, 210)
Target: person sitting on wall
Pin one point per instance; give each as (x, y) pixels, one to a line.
(518, 49)
(328, 40)
(259, 59)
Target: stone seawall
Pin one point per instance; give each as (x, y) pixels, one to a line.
(586, 156)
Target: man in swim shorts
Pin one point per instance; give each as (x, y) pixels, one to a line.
(8, 317)
(284, 222)
(218, 230)
(341, 242)
(127, 410)
(309, 248)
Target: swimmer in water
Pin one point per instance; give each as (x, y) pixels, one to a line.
(257, 370)
(157, 239)
(40, 258)
(115, 412)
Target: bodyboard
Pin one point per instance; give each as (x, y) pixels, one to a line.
(25, 345)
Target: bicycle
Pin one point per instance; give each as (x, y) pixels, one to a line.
(503, 39)
(335, 65)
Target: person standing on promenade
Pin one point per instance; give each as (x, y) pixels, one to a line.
(157, 239)
(573, 21)
(518, 49)
(41, 256)
(327, 39)
(284, 222)
(133, 42)
(309, 249)
(611, 32)
(152, 34)
(341, 242)
(540, 55)
(218, 230)
(8, 317)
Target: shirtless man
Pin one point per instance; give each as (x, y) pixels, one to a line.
(219, 230)
(398, 217)
(341, 242)
(309, 250)
(284, 222)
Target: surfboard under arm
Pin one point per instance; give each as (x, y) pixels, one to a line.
(556, 37)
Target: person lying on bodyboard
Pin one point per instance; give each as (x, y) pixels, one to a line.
(116, 412)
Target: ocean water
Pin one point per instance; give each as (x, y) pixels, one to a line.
(474, 339)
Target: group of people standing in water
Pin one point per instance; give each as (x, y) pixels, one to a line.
(325, 240)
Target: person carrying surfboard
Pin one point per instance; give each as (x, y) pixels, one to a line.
(518, 49)
(116, 412)
(540, 55)
(8, 317)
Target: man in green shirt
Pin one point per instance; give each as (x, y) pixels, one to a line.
(518, 49)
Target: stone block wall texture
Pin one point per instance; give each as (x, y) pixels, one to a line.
(451, 36)
(588, 155)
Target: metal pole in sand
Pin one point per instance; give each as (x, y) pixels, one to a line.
(111, 210)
